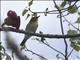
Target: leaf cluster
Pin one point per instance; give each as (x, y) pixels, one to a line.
(74, 42)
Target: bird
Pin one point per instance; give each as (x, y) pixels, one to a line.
(12, 19)
(31, 27)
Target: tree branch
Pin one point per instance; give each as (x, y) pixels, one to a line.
(8, 29)
(52, 48)
(70, 53)
(37, 54)
(61, 23)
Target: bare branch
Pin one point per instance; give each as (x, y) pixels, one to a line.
(9, 29)
(52, 48)
(70, 53)
(37, 54)
(62, 29)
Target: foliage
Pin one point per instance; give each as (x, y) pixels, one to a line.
(75, 42)
(63, 4)
(72, 9)
(24, 12)
(78, 20)
(8, 57)
(66, 6)
(1, 53)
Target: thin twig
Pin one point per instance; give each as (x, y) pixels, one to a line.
(49, 12)
(66, 45)
(71, 24)
(70, 53)
(75, 3)
(36, 54)
(52, 48)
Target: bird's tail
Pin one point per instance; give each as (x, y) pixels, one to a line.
(24, 40)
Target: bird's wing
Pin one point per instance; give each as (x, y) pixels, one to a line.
(31, 27)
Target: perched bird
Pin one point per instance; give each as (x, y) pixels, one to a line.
(31, 27)
(12, 19)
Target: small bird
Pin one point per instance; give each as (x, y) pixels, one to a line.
(31, 27)
(12, 19)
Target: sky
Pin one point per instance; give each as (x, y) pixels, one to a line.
(49, 24)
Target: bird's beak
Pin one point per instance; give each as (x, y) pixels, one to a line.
(38, 16)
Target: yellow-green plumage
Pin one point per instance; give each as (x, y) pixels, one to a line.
(31, 27)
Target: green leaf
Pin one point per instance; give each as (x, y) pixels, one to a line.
(24, 12)
(27, 16)
(8, 57)
(74, 46)
(63, 4)
(78, 42)
(31, 2)
(78, 13)
(78, 20)
(72, 9)
(46, 11)
(71, 32)
(1, 54)
(1, 47)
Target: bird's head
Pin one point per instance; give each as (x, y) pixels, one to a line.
(12, 19)
(35, 18)
(11, 14)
